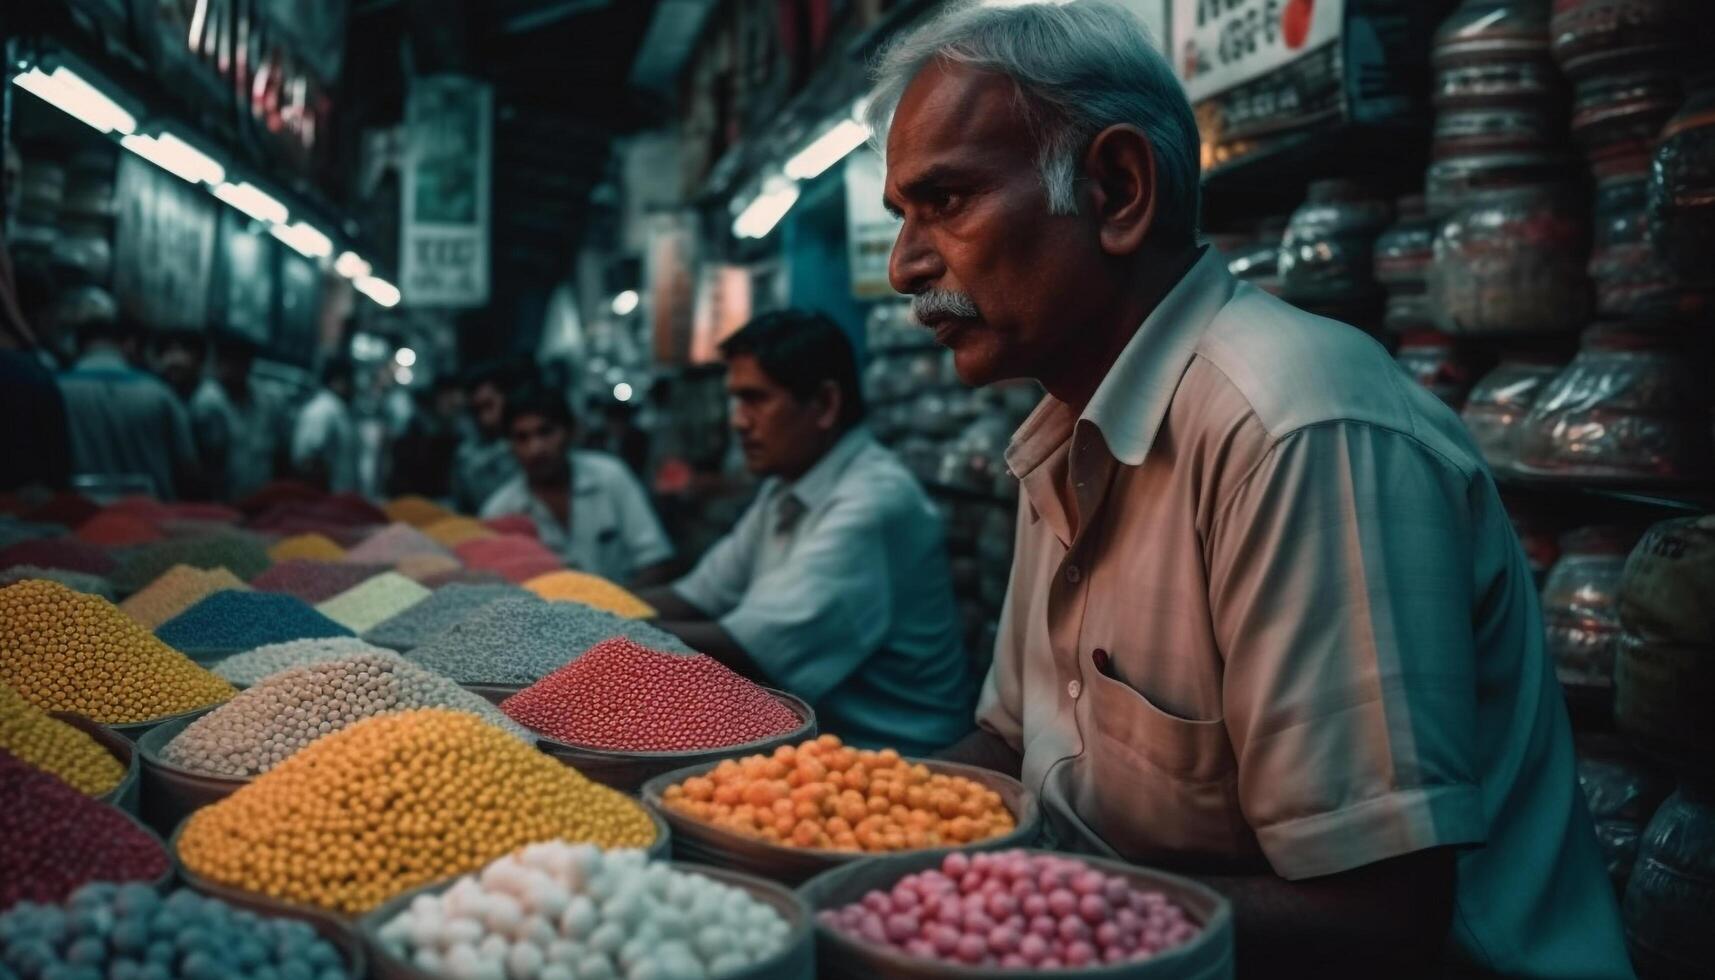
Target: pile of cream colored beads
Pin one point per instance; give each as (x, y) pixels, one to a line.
(65, 651)
(381, 598)
(247, 668)
(557, 911)
(394, 802)
(263, 726)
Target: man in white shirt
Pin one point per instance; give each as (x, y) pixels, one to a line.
(484, 462)
(324, 442)
(1268, 622)
(587, 506)
(834, 584)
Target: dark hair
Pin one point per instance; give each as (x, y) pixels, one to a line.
(799, 350)
(505, 374)
(539, 400)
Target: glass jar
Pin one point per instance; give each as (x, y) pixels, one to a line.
(1512, 262)
(1631, 408)
(1620, 115)
(1490, 52)
(1327, 253)
(1631, 280)
(1402, 265)
(1580, 604)
(1434, 361)
(1499, 402)
(1682, 188)
(1591, 36)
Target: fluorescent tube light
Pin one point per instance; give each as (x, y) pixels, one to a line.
(176, 157)
(827, 149)
(252, 201)
(379, 290)
(304, 239)
(67, 91)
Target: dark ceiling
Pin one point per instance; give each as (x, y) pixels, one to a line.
(559, 68)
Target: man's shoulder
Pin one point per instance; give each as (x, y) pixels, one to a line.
(602, 466)
(879, 480)
(1267, 366)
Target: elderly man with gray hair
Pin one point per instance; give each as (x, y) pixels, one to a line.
(1268, 622)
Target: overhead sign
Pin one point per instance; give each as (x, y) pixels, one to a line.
(449, 149)
(1220, 44)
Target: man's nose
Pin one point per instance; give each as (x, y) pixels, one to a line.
(914, 264)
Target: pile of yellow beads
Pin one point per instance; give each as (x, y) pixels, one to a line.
(66, 651)
(591, 590)
(316, 547)
(55, 747)
(454, 531)
(394, 802)
(415, 510)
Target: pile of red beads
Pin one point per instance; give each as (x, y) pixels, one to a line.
(54, 839)
(623, 696)
(1017, 910)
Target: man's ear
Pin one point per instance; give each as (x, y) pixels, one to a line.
(1120, 170)
(830, 402)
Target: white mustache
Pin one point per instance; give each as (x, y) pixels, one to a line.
(940, 304)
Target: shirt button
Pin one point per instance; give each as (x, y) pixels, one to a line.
(1073, 574)
(1073, 689)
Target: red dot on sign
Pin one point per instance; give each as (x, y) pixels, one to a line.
(1295, 22)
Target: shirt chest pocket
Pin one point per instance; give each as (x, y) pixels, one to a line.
(1154, 784)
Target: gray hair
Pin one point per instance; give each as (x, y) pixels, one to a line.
(1079, 68)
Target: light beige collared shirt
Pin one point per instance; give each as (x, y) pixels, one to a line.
(1321, 641)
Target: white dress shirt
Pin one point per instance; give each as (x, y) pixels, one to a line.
(325, 432)
(614, 532)
(1267, 612)
(837, 586)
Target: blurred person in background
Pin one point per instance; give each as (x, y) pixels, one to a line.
(125, 422)
(586, 505)
(485, 461)
(834, 585)
(177, 357)
(324, 438)
(235, 427)
(34, 443)
(424, 453)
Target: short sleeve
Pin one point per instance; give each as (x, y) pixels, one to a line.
(812, 621)
(1341, 586)
(719, 580)
(644, 537)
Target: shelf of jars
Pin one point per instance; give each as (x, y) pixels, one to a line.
(1551, 277)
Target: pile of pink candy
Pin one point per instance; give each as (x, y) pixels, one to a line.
(1017, 910)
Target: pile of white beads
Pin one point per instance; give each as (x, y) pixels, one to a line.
(263, 726)
(244, 669)
(558, 911)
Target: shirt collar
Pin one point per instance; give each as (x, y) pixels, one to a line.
(818, 482)
(1133, 398)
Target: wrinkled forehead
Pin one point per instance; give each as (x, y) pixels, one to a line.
(951, 110)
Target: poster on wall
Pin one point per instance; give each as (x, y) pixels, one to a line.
(244, 283)
(723, 305)
(163, 247)
(299, 310)
(449, 143)
(871, 230)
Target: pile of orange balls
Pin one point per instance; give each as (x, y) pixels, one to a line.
(824, 794)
